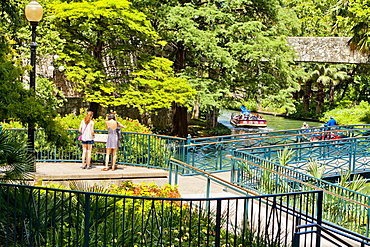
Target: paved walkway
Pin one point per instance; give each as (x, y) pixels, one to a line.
(189, 186)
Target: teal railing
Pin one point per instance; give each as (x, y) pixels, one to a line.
(347, 154)
(342, 206)
(208, 154)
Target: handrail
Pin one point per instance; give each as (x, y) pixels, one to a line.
(214, 178)
(307, 184)
(332, 233)
(269, 135)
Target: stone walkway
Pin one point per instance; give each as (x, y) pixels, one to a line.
(189, 186)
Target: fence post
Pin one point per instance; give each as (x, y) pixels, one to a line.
(208, 193)
(218, 223)
(296, 238)
(177, 174)
(320, 198)
(352, 156)
(188, 141)
(170, 174)
(87, 221)
(233, 165)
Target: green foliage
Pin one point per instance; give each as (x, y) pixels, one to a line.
(285, 155)
(72, 121)
(51, 96)
(154, 87)
(15, 161)
(316, 169)
(95, 33)
(358, 114)
(316, 18)
(20, 104)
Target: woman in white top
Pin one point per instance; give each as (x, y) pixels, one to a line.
(113, 143)
(87, 130)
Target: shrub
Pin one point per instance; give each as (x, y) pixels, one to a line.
(72, 121)
(358, 114)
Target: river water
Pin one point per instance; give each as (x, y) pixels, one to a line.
(273, 123)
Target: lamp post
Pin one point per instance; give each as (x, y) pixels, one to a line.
(33, 13)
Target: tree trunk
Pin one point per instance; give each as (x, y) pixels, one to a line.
(196, 110)
(320, 98)
(307, 96)
(211, 118)
(179, 64)
(180, 121)
(95, 107)
(258, 99)
(331, 93)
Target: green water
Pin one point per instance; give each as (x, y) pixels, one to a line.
(273, 123)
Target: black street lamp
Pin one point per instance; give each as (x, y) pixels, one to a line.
(33, 14)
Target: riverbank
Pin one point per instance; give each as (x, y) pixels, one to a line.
(197, 128)
(287, 116)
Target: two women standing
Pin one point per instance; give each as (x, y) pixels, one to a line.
(113, 142)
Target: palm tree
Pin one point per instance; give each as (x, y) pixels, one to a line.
(324, 76)
(15, 161)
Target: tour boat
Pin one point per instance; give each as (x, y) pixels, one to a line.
(248, 120)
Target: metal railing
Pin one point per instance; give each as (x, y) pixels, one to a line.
(347, 154)
(208, 154)
(342, 206)
(333, 235)
(36, 216)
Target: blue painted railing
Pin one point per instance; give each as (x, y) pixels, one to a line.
(208, 154)
(342, 206)
(348, 154)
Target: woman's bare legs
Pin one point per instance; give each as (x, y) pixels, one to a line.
(84, 147)
(114, 157)
(88, 155)
(107, 154)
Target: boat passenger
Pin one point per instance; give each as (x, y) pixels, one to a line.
(244, 110)
(304, 126)
(331, 122)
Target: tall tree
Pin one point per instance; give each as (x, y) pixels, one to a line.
(104, 39)
(226, 45)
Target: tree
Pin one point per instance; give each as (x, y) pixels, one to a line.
(104, 39)
(154, 86)
(225, 45)
(16, 102)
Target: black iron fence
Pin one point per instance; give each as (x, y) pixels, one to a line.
(36, 216)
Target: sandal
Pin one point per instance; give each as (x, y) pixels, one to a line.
(104, 169)
(83, 167)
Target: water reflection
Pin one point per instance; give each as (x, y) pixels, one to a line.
(273, 123)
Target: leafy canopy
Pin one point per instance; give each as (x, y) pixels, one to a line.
(155, 86)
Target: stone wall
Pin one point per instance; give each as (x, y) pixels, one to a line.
(326, 50)
(73, 105)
